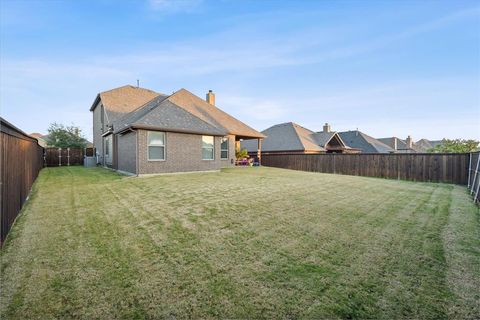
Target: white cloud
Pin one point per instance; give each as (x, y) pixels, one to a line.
(62, 88)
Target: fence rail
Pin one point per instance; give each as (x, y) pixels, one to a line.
(474, 176)
(428, 167)
(21, 161)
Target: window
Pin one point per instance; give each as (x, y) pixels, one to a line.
(107, 146)
(156, 146)
(208, 148)
(224, 148)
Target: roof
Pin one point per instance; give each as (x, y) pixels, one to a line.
(184, 112)
(36, 135)
(424, 144)
(322, 138)
(401, 144)
(120, 101)
(285, 137)
(290, 136)
(359, 140)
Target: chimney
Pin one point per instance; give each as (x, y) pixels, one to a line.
(211, 97)
(409, 142)
(326, 128)
(394, 143)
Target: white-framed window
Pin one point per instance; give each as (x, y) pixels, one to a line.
(224, 148)
(208, 148)
(156, 145)
(107, 146)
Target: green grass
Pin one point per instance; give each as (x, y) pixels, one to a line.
(241, 243)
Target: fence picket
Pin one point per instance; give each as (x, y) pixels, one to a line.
(429, 167)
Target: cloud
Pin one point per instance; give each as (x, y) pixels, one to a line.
(51, 85)
(256, 109)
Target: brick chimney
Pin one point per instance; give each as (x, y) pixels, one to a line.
(409, 142)
(326, 128)
(211, 97)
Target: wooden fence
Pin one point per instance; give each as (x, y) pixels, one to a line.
(432, 167)
(20, 162)
(474, 176)
(57, 157)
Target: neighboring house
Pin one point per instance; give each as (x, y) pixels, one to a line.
(291, 138)
(363, 142)
(42, 141)
(401, 146)
(424, 144)
(140, 131)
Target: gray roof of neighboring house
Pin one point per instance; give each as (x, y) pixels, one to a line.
(322, 138)
(290, 136)
(184, 112)
(401, 144)
(285, 137)
(424, 144)
(359, 140)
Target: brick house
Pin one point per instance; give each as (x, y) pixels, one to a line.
(139, 131)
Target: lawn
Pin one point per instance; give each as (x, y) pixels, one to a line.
(241, 243)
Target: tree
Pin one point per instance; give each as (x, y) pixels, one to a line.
(62, 136)
(456, 146)
(241, 154)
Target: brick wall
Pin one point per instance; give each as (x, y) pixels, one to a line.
(183, 153)
(127, 152)
(97, 129)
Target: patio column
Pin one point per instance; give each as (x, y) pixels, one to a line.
(259, 151)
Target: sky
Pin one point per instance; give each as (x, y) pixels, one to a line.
(388, 68)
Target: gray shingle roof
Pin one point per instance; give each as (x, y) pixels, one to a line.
(423, 145)
(120, 101)
(184, 112)
(284, 137)
(401, 144)
(322, 138)
(364, 142)
(291, 137)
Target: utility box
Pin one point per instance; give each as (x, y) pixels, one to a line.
(90, 162)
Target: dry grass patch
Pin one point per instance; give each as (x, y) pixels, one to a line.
(241, 243)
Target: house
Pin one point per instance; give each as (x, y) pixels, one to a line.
(42, 139)
(363, 142)
(424, 145)
(399, 145)
(140, 131)
(291, 138)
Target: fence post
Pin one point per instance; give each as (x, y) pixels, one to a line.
(59, 157)
(68, 156)
(333, 156)
(476, 174)
(469, 169)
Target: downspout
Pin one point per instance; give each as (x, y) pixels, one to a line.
(136, 151)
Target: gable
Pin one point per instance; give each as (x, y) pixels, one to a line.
(169, 117)
(120, 101)
(212, 114)
(367, 144)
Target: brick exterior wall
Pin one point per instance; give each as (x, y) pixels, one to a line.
(183, 153)
(127, 152)
(97, 130)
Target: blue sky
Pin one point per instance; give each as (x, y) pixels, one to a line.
(389, 68)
